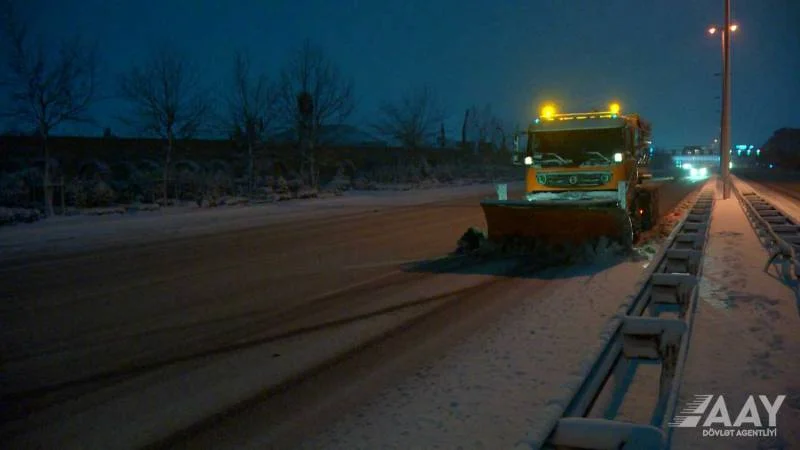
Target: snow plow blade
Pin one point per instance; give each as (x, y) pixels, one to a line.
(557, 224)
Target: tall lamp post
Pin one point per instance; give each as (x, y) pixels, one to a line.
(725, 138)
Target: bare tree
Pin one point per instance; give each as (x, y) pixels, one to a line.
(47, 88)
(484, 127)
(503, 135)
(167, 101)
(413, 120)
(313, 95)
(465, 129)
(251, 109)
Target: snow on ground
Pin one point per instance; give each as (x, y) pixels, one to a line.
(81, 233)
(218, 382)
(503, 387)
(745, 339)
(495, 389)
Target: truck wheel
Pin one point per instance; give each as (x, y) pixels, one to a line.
(630, 233)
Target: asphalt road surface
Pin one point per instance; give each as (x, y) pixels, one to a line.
(94, 338)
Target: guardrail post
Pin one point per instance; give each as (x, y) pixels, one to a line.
(654, 338)
(682, 261)
(672, 289)
(579, 432)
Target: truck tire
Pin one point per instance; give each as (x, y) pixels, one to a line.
(645, 209)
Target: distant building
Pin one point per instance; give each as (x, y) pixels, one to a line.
(747, 156)
(742, 156)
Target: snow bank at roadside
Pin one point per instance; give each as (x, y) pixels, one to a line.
(13, 216)
(81, 233)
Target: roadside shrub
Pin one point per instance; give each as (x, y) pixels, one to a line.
(295, 185)
(444, 172)
(89, 193)
(10, 216)
(339, 183)
(14, 190)
(281, 186)
(102, 194)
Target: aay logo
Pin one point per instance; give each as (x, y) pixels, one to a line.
(692, 416)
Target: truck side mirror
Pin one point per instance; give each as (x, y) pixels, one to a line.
(517, 157)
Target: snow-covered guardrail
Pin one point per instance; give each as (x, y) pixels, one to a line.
(782, 233)
(640, 333)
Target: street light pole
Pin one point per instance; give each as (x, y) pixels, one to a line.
(725, 139)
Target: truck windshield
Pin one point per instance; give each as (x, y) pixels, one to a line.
(576, 147)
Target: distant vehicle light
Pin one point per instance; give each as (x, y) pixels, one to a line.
(730, 164)
(614, 108)
(703, 172)
(687, 166)
(617, 157)
(693, 172)
(528, 161)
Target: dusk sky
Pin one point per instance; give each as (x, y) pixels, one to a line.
(653, 56)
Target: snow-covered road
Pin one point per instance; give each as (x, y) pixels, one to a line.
(188, 340)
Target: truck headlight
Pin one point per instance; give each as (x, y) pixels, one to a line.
(617, 157)
(528, 161)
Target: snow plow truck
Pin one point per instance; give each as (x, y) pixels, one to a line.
(585, 182)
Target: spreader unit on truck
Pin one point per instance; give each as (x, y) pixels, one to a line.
(585, 179)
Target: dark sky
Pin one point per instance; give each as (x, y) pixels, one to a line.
(653, 56)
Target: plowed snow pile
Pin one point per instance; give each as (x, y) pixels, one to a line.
(474, 242)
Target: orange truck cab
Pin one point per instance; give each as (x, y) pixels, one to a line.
(590, 153)
(583, 180)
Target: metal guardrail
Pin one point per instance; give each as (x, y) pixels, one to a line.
(782, 233)
(639, 336)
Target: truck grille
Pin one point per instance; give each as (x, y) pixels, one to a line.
(579, 179)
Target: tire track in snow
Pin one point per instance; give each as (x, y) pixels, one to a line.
(440, 306)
